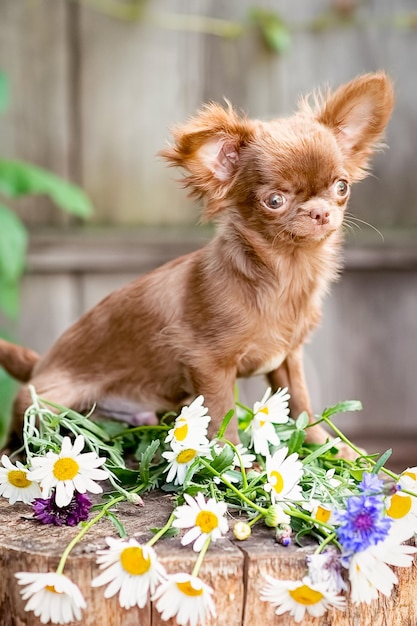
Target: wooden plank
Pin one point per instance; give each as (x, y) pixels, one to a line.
(111, 251)
(141, 249)
(49, 304)
(37, 126)
(137, 79)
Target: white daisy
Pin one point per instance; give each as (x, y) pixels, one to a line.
(185, 597)
(369, 571)
(51, 596)
(284, 474)
(299, 597)
(401, 507)
(15, 484)
(68, 471)
(131, 569)
(321, 512)
(205, 519)
(180, 459)
(191, 425)
(269, 411)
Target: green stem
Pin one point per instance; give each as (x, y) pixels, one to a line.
(242, 469)
(295, 513)
(355, 448)
(255, 519)
(233, 488)
(331, 537)
(138, 429)
(162, 531)
(83, 531)
(201, 556)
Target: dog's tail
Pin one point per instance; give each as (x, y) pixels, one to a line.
(17, 361)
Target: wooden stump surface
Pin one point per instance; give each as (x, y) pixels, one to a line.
(234, 569)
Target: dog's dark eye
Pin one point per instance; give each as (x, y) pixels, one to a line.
(342, 188)
(275, 201)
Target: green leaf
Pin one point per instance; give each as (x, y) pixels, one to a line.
(171, 532)
(19, 179)
(13, 243)
(296, 441)
(381, 461)
(4, 92)
(8, 389)
(146, 460)
(126, 476)
(274, 30)
(225, 423)
(117, 524)
(343, 407)
(321, 450)
(302, 421)
(9, 298)
(224, 460)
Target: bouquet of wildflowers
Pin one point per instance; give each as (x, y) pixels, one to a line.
(360, 515)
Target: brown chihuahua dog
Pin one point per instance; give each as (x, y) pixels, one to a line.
(246, 302)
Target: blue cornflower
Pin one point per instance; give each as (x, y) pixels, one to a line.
(371, 484)
(363, 524)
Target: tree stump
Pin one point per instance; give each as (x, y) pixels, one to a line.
(234, 569)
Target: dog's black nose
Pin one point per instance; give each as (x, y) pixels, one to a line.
(321, 216)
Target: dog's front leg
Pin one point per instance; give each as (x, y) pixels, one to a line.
(217, 387)
(291, 374)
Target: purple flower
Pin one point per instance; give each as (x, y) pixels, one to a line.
(363, 524)
(326, 567)
(371, 484)
(47, 511)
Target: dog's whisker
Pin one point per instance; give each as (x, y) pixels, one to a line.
(354, 219)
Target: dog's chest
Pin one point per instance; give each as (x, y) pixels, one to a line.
(271, 364)
(279, 329)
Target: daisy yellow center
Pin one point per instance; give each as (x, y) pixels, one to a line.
(411, 475)
(180, 432)
(188, 590)
(185, 456)
(264, 409)
(207, 521)
(133, 561)
(52, 589)
(17, 478)
(399, 506)
(305, 595)
(66, 468)
(278, 483)
(322, 514)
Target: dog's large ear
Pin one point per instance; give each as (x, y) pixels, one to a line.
(358, 113)
(208, 147)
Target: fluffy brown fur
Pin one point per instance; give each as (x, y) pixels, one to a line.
(246, 302)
